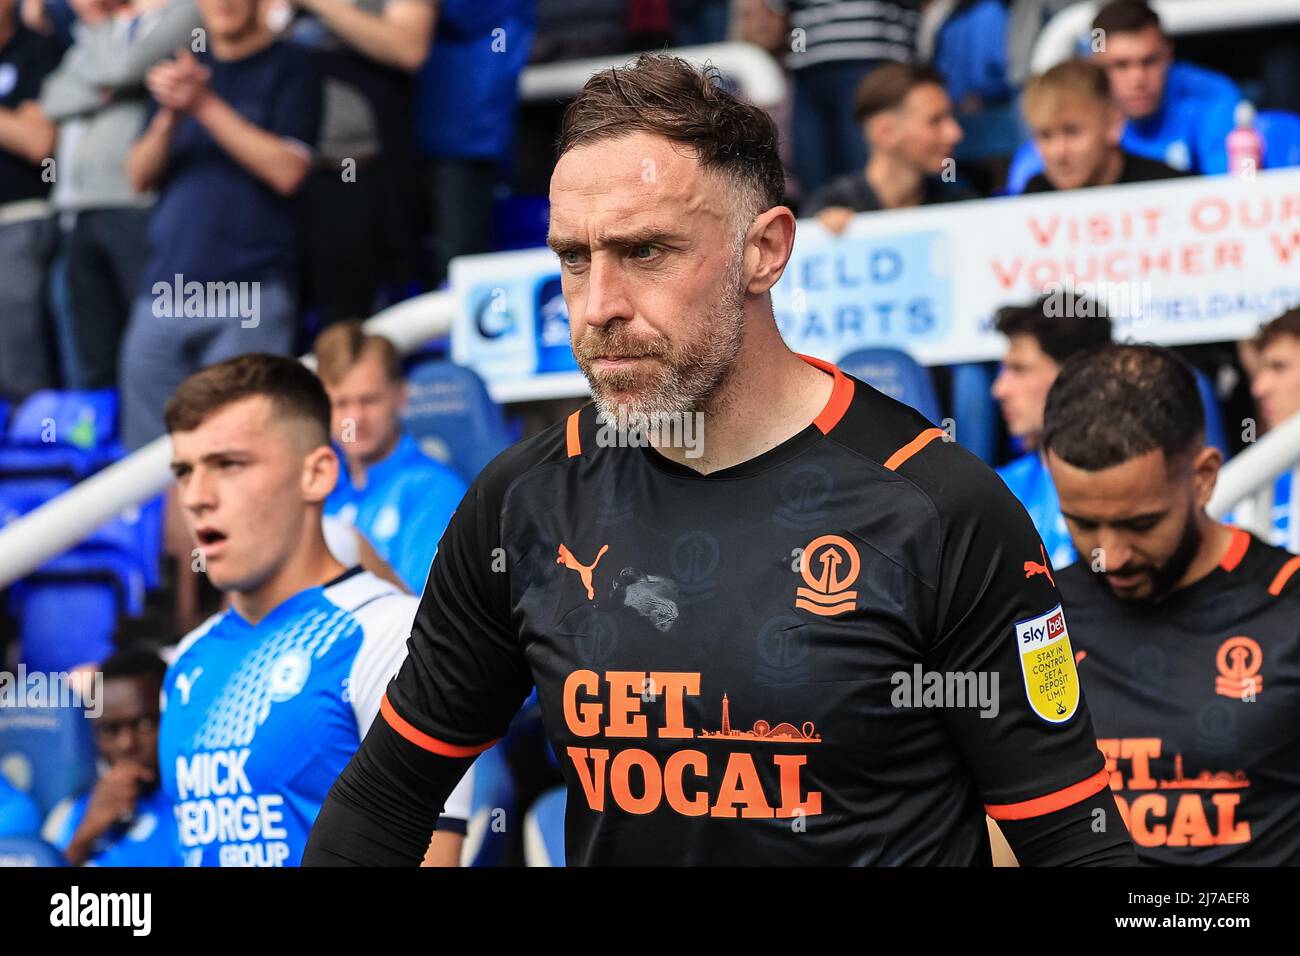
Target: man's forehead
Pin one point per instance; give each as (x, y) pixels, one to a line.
(1060, 110)
(1284, 348)
(1131, 44)
(1024, 347)
(1137, 486)
(239, 424)
(632, 181)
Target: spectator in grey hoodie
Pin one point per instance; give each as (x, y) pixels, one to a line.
(98, 99)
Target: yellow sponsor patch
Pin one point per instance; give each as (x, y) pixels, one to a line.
(1047, 661)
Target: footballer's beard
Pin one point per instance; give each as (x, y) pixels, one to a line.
(680, 377)
(1165, 577)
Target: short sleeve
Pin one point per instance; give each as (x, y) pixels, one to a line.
(1001, 621)
(465, 675)
(386, 624)
(296, 112)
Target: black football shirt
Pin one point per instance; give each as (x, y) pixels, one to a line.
(1196, 703)
(740, 667)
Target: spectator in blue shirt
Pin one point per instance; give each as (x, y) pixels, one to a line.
(229, 145)
(465, 102)
(125, 819)
(19, 815)
(1040, 337)
(390, 490)
(1177, 113)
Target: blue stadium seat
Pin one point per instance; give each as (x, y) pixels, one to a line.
(1025, 165)
(85, 419)
(1281, 134)
(68, 608)
(28, 851)
(544, 829)
(898, 375)
(47, 752)
(1214, 432)
(53, 440)
(137, 534)
(5, 409)
(451, 415)
(29, 477)
(974, 410)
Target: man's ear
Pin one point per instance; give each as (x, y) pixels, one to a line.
(880, 130)
(768, 244)
(1205, 473)
(320, 473)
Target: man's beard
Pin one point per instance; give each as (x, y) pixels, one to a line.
(1165, 577)
(679, 377)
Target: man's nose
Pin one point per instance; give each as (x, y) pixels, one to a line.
(196, 494)
(1115, 549)
(606, 293)
(999, 389)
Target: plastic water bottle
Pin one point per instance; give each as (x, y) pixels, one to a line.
(1245, 145)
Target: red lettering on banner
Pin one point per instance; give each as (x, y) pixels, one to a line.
(1284, 247)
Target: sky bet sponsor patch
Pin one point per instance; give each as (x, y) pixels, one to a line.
(1051, 682)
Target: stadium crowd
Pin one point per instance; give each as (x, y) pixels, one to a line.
(190, 188)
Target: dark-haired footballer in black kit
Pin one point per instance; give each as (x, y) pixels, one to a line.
(715, 656)
(1187, 631)
(1196, 703)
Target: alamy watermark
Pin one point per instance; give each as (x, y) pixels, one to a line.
(946, 689)
(208, 300)
(627, 429)
(83, 690)
(1129, 302)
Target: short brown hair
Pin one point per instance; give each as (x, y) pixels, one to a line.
(294, 392)
(1126, 16)
(885, 87)
(1288, 323)
(342, 345)
(669, 97)
(1076, 77)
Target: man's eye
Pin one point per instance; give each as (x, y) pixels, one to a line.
(644, 252)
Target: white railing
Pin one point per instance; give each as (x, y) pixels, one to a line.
(1246, 483)
(760, 76)
(1057, 40)
(28, 542)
